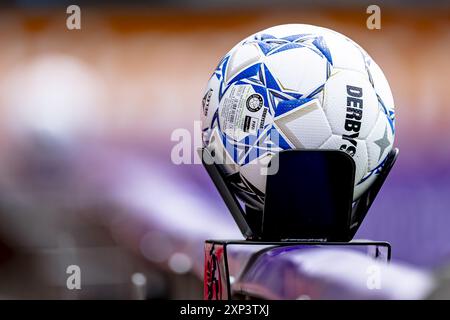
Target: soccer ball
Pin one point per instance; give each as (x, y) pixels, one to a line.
(296, 86)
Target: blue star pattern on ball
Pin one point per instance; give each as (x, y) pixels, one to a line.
(275, 98)
(270, 45)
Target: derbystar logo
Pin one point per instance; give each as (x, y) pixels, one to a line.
(353, 119)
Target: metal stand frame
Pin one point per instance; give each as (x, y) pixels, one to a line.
(217, 286)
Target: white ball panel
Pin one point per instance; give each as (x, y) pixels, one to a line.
(210, 101)
(358, 153)
(336, 98)
(363, 186)
(305, 126)
(220, 154)
(381, 85)
(210, 104)
(344, 53)
(254, 172)
(242, 57)
(292, 67)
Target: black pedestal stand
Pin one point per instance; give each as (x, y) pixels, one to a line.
(308, 201)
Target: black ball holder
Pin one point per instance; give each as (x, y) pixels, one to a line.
(308, 201)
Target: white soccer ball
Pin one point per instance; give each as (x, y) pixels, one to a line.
(314, 87)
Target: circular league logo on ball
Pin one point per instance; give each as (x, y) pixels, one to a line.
(254, 102)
